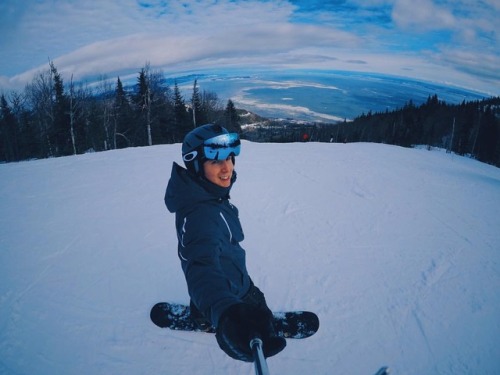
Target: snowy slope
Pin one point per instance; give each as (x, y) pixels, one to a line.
(397, 250)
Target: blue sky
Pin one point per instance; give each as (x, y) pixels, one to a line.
(453, 42)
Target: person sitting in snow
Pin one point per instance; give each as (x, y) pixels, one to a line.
(209, 233)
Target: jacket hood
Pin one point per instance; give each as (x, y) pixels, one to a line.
(185, 190)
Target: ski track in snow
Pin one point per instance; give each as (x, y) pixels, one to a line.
(395, 249)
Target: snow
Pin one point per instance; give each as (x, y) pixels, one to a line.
(396, 250)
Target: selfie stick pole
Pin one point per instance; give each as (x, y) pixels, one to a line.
(259, 359)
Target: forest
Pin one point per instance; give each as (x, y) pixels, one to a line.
(50, 118)
(470, 129)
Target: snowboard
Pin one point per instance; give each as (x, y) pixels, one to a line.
(288, 324)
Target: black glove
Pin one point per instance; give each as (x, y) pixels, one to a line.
(242, 322)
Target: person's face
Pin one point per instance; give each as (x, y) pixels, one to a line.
(219, 172)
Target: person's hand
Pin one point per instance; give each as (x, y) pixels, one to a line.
(242, 322)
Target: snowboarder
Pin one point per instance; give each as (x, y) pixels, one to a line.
(209, 235)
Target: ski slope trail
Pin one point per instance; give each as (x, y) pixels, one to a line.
(396, 250)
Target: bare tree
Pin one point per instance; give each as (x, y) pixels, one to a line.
(106, 103)
(39, 95)
(195, 102)
(211, 106)
(150, 96)
(73, 108)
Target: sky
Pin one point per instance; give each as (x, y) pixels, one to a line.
(453, 42)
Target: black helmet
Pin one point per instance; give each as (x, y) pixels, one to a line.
(208, 142)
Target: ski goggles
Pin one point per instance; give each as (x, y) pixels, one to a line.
(222, 146)
(219, 147)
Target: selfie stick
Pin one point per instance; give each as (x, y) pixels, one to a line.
(259, 359)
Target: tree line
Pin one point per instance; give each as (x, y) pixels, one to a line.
(51, 118)
(470, 128)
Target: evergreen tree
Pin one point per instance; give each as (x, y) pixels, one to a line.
(181, 116)
(61, 131)
(488, 138)
(466, 121)
(9, 142)
(142, 133)
(122, 117)
(231, 117)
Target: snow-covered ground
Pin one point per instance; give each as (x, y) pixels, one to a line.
(397, 250)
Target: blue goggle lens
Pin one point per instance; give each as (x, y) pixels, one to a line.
(222, 146)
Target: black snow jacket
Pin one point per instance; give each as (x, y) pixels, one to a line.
(209, 234)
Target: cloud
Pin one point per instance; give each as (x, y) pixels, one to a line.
(423, 16)
(89, 38)
(484, 66)
(469, 23)
(222, 34)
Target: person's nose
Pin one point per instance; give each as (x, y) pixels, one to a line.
(225, 165)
